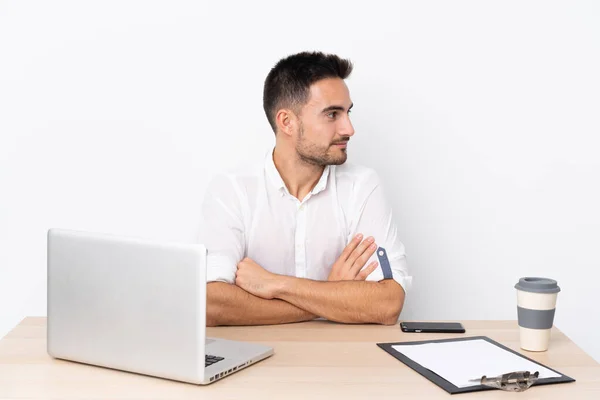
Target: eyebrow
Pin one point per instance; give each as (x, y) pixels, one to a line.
(336, 108)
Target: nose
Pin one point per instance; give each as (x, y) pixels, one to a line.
(346, 128)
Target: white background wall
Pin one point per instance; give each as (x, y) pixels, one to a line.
(482, 117)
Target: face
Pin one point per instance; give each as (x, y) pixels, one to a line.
(324, 127)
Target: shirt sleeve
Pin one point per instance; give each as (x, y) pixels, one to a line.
(375, 218)
(222, 230)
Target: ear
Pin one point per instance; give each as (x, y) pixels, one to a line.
(286, 121)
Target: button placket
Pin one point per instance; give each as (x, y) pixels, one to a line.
(300, 253)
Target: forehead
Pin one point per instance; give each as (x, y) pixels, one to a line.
(330, 91)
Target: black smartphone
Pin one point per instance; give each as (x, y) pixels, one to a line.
(433, 327)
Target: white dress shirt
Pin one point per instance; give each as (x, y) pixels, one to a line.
(250, 213)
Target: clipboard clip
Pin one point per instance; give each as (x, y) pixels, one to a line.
(517, 381)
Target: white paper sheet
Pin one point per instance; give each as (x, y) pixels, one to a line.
(458, 362)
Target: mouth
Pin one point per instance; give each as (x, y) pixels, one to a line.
(341, 145)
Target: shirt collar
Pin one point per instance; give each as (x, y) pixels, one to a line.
(277, 181)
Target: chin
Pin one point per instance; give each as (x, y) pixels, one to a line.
(339, 160)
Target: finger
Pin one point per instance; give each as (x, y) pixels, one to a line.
(359, 251)
(363, 259)
(367, 271)
(351, 246)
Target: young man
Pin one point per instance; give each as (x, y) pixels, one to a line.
(285, 239)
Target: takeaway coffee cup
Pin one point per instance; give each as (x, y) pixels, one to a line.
(536, 303)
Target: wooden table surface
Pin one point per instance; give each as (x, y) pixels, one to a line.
(313, 360)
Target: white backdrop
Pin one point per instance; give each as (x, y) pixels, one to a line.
(482, 118)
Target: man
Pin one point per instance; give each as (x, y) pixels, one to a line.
(285, 239)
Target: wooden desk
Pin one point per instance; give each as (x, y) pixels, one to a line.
(313, 360)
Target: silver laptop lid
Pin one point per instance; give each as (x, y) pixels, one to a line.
(127, 303)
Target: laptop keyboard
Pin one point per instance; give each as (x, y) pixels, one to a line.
(210, 360)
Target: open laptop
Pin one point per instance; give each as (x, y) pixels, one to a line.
(136, 305)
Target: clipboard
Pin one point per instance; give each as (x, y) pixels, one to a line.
(448, 386)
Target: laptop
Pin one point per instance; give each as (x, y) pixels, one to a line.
(136, 305)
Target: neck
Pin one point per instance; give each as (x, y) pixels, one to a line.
(299, 176)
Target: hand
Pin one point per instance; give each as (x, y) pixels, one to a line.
(256, 280)
(353, 259)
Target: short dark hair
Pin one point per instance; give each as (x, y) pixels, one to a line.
(288, 82)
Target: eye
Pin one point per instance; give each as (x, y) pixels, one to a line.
(332, 115)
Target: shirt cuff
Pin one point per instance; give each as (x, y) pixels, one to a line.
(399, 274)
(220, 269)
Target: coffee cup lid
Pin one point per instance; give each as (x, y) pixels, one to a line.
(537, 285)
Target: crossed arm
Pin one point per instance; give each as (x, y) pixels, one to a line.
(298, 299)
(231, 305)
(261, 297)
